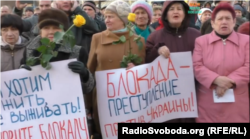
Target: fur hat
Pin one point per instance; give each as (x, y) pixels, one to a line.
(90, 3)
(53, 17)
(202, 11)
(145, 6)
(121, 8)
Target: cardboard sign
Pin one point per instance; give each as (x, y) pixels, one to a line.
(42, 104)
(155, 92)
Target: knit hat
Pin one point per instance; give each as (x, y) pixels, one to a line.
(238, 7)
(121, 8)
(202, 11)
(53, 17)
(90, 3)
(29, 9)
(144, 5)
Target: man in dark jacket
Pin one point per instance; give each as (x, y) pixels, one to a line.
(90, 8)
(29, 24)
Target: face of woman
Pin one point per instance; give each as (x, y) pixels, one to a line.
(207, 5)
(141, 17)
(223, 23)
(10, 35)
(176, 14)
(49, 31)
(238, 13)
(113, 22)
(205, 16)
(156, 16)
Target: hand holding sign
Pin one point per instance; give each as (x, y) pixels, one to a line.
(164, 51)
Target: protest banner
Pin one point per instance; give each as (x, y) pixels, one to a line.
(42, 104)
(155, 92)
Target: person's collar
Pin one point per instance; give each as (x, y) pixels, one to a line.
(233, 37)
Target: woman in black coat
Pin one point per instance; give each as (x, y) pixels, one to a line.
(49, 23)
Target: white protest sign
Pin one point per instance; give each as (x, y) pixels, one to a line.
(155, 92)
(42, 104)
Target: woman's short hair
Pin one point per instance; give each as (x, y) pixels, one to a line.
(12, 20)
(223, 6)
(156, 8)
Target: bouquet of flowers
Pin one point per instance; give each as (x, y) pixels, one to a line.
(130, 58)
(47, 48)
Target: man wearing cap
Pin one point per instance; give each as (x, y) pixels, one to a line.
(29, 11)
(90, 8)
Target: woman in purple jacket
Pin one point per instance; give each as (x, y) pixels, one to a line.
(176, 36)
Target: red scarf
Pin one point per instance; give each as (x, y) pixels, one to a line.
(160, 26)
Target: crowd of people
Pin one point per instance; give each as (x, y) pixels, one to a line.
(217, 35)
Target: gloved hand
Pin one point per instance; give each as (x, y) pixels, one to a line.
(25, 67)
(78, 67)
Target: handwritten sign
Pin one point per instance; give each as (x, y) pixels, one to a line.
(155, 92)
(42, 104)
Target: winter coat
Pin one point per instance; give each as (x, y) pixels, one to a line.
(198, 23)
(11, 59)
(214, 57)
(100, 23)
(64, 53)
(29, 23)
(83, 34)
(177, 40)
(104, 55)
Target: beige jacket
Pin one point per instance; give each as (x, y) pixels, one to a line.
(11, 58)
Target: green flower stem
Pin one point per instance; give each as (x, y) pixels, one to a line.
(69, 29)
(129, 38)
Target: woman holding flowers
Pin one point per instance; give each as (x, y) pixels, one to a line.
(144, 13)
(45, 47)
(109, 47)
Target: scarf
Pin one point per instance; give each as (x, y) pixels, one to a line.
(144, 33)
(3, 43)
(121, 30)
(160, 25)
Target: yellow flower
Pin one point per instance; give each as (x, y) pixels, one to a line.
(131, 17)
(79, 21)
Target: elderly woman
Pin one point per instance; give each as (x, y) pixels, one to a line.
(176, 36)
(49, 22)
(104, 55)
(143, 12)
(157, 14)
(203, 15)
(221, 62)
(12, 43)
